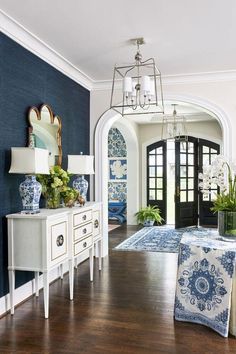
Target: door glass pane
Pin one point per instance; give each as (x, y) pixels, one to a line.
(190, 183)
(190, 171)
(171, 144)
(205, 150)
(213, 195)
(205, 197)
(152, 151)
(183, 146)
(182, 171)
(190, 147)
(191, 159)
(182, 159)
(159, 183)
(213, 151)
(183, 183)
(213, 186)
(183, 196)
(159, 171)
(205, 160)
(190, 196)
(152, 160)
(152, 171)
(159, 159)
(159, 194)
(151, 194)
(213, 156)
(159, 150)
(151, 182)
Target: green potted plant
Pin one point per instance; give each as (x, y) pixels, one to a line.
(223, 175)
(148, 215)
(55, 188)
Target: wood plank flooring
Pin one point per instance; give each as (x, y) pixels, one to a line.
(127, 309)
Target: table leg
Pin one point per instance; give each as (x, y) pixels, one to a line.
(61, 271)
(100, 255)
(91, 256)
(46, 293)
(12, 289)
(36, 277)
(71, 278)
(76, 263)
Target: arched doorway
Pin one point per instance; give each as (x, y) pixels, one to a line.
(101, 133)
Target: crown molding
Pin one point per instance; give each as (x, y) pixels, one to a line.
(35, 45)
(193, 78)
(28, 40)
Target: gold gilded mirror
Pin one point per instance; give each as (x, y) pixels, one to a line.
(45, 132)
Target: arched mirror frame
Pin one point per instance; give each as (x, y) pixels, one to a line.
(52, 120)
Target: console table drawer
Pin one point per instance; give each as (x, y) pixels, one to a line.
(82, 245)
(82, 217)
(83, 231)
(58, 240)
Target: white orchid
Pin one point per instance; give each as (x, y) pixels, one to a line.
(220, 174)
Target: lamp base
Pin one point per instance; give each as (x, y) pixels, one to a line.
(81, 185)
(30, 192)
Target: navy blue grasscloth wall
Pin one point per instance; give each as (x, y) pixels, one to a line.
(26, 80)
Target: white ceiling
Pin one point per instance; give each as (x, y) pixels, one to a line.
(184, 36)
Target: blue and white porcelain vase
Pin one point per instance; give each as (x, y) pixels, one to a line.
(30, 192)
(81, 185)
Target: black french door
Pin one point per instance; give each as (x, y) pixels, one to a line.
(186, 183)
(190, 204)
(156, 176)
(207, 153)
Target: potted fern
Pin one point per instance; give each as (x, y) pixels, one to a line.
(148, 215)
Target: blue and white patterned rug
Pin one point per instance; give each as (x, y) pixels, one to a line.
(156, 239)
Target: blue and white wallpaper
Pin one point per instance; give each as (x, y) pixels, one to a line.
(116, 144)
(117, 159)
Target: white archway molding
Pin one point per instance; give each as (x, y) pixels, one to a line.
(101, 150)
(104, 124)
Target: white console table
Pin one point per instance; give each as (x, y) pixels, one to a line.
(44, 241)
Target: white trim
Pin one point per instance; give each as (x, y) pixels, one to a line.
(28, 40)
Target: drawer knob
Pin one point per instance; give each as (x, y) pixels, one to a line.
(60, 240)
(84, 230)
(96, 223)
(85, 244)
(84, 217)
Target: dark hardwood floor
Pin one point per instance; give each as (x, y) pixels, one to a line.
(127, 309)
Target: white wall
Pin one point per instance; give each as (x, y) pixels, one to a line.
(210, 130)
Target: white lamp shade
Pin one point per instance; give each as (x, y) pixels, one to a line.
(80, 164)
(152, 88)
(134, 92)
(127, 85)
(28, 160)
(145, 84)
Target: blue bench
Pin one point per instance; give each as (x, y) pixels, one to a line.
(116, 210)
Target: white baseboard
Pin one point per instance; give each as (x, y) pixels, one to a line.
(28, 289)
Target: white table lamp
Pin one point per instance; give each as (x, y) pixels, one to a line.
(81, 165)
(29, 161)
